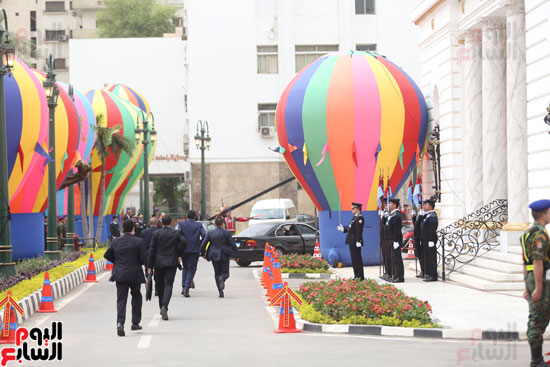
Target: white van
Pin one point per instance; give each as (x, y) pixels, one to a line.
(273, 211)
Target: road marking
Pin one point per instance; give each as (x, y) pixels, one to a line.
(144, 341)
(154, 321)
(255, 273)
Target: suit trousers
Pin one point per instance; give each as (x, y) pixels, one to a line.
(189, 260)
(122, 299)
(419, 253)
(356, 262)
(164, 280)
(221, 267)
(431, 260)
(386, 257)
(398, 269)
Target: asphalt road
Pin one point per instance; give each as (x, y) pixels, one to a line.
(237, 331)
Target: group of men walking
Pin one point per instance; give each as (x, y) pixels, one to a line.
(162, 251)
(391, 240)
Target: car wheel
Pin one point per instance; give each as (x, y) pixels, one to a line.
(243, 263)
(279, 252)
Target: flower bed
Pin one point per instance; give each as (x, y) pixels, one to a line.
(28, 283)
(295, 263)
(362, 302)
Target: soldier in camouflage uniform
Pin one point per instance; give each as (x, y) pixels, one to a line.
(536, 245)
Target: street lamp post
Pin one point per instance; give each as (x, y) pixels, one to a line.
(7, 266)
(52, 93)
(144, 118)
(203, 142)
(69, 244)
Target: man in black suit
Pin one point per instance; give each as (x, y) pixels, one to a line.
(354, 240)
(222, 248)
(167, 246)
(146, 236)
(394, 238)
(419, 250)
(128, 255)
(114, 228)
(194, 233)
(428, 235)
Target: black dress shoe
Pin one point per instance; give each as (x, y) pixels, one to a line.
(221, 294)
(164, 313)
(120, 329)
(398, 281)
(136, 327)
(420, 275)
(183, 291)
(192, 285)
(430, 279)
(186, 294)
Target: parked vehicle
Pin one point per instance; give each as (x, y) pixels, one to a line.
(287, 238)
(273, 211)
(307, 219)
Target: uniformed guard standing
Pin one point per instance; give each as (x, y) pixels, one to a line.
(428, 238)
(354, 240)
(394, 240)
(536, 243)
(418, 249)
(386, 258)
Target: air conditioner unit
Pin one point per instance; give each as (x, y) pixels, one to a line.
(267, 131)
(63, 38)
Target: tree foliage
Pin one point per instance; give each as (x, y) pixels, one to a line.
(134, 18)
(172, 192)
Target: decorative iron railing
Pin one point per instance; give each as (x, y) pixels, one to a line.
(470, 237)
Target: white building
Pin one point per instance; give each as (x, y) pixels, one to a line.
(242, 54)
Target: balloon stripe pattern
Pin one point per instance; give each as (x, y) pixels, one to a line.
(352, 117)
(130, 95)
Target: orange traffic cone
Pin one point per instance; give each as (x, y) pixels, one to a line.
(266, 267)
(277, 283)
(287, 323)
(410, 252)
(317, 251)
(10, 339)
(109, 265)
(90, 278)
(46, 302)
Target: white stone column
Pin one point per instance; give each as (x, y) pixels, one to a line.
(516, 102)
(473, 120)
(494, 110)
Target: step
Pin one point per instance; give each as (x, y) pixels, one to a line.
(491, 275)
(483, 284)
(497, 265)
(511, 258)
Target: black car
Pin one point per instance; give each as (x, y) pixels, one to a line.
(287, 238)
(307, 219)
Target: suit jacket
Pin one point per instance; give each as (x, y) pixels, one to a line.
(128, 255)
(428, 228)
(194, 233)
(167, 245)
(146, 236)
(115, 230)
(393, 228)
(355, 230)
(221, 242)
(417, 220)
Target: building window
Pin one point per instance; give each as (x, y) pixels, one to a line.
(364, 7)
(307, 54)
(60, 64)
(366, 47)
(34, 49)
(55, 35)
(266, 115)
(268, 60)
(177, 22)
(33, 21)
(55, 6)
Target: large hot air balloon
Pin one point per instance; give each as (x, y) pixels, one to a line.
(343, 121)
(115, 111)
(130, 95)
(27, 130)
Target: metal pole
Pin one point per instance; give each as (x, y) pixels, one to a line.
(52, 252)
(69, 244)
(203, 175)
(141, 206)
(443, 257)
(146, 214)
(7, 266)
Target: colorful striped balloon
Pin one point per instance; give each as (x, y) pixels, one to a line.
(116, 111)
(130, 95)
(27, 125)
(346, 119)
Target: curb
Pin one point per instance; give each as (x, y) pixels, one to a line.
(60, 287)
(309, 276)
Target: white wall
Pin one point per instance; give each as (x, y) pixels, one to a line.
(152, 66)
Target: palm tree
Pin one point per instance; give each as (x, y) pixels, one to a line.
(108, 141)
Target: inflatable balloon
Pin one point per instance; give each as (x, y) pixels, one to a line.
(116, 111)
(343, 122)
(130, 95)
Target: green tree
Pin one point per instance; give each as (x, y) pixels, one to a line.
(172, 192)
(108, 141)
(134, 18)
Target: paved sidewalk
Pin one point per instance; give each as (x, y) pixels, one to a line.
(459, 307)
